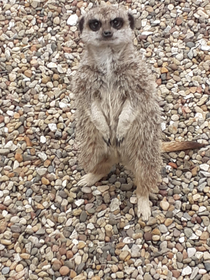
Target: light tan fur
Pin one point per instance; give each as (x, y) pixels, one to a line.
(118, 116)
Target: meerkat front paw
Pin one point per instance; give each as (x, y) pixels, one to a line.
(143, 208)
(119, 141)
(107, 141)
(120, 136)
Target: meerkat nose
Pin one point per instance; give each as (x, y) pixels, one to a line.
(107, 34)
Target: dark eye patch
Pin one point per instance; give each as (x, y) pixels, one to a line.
(117, 23)
(94, 24)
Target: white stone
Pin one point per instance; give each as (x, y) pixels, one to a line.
(202, 209)
(170, 7)
(86, 189)
(72, 20)
(52, 65)
(96, 192)
(79, 202)
(90, 226)
(181, 239)
(133, 199)
(186, 271)
(114, 205)
(12, 77)
(10, 113)
(163, 126)
(62, 105)
(50, 223)
(42, 156)
(206, 256)
(191, 252)
(41, 171)
(52, 127)
(199, 255)
(78, 260)
(43, 139)
(16, 164)
(204, 166)
(194, 273)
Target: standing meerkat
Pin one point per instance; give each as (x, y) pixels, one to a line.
(118, 116)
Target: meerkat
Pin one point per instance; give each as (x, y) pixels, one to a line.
(118, 116)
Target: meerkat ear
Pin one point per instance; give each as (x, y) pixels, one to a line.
(131, 20)
(81, 24)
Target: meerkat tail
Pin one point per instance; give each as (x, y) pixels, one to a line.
(180, 146)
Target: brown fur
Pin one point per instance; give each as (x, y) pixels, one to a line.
(118, 116)
(180, 146)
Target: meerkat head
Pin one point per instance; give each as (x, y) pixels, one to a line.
(106, 26)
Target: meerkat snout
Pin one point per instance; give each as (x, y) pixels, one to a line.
(107, 34)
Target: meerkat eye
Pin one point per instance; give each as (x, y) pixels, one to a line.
(117, 23)
(94, 25)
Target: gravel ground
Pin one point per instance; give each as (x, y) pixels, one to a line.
(50, 228)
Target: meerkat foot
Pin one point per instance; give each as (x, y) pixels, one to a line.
(143, 208)
(90, 179)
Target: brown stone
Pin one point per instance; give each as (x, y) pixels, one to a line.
(28, 141)
(149, 9)
(62, 251)
(56, 265)
(19, 267)
(178, 21)
(164, 70)
(204, 235)
(28, 73)
(25, 256)
(159, 81)
(34, 62)
(16, 116)
(19, 157)
(123, 255)
(55, 248)
(170, 255)
(1, 118)
(172, 164)
(64, 270)
(176, 273)
(81, 245)
(168, 222)
(56, 77)
(47, 163)
(155, 231)
(45, 79)
(80, 4)
(45, 181)
(148, 236)
(96, 278)
(179, 247)
(194, 171)
(120, 245)
(72, 274)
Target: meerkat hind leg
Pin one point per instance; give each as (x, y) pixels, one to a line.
(143, 207)
(142, 193)
(98, 172)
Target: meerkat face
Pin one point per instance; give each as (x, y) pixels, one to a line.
(106, 26)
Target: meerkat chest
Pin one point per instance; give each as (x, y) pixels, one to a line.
(111, 103)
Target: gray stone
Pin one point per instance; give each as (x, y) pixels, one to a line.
(5, 270)
(83, 216)
(188, 232)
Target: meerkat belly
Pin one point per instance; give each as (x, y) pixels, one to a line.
(111, 107)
